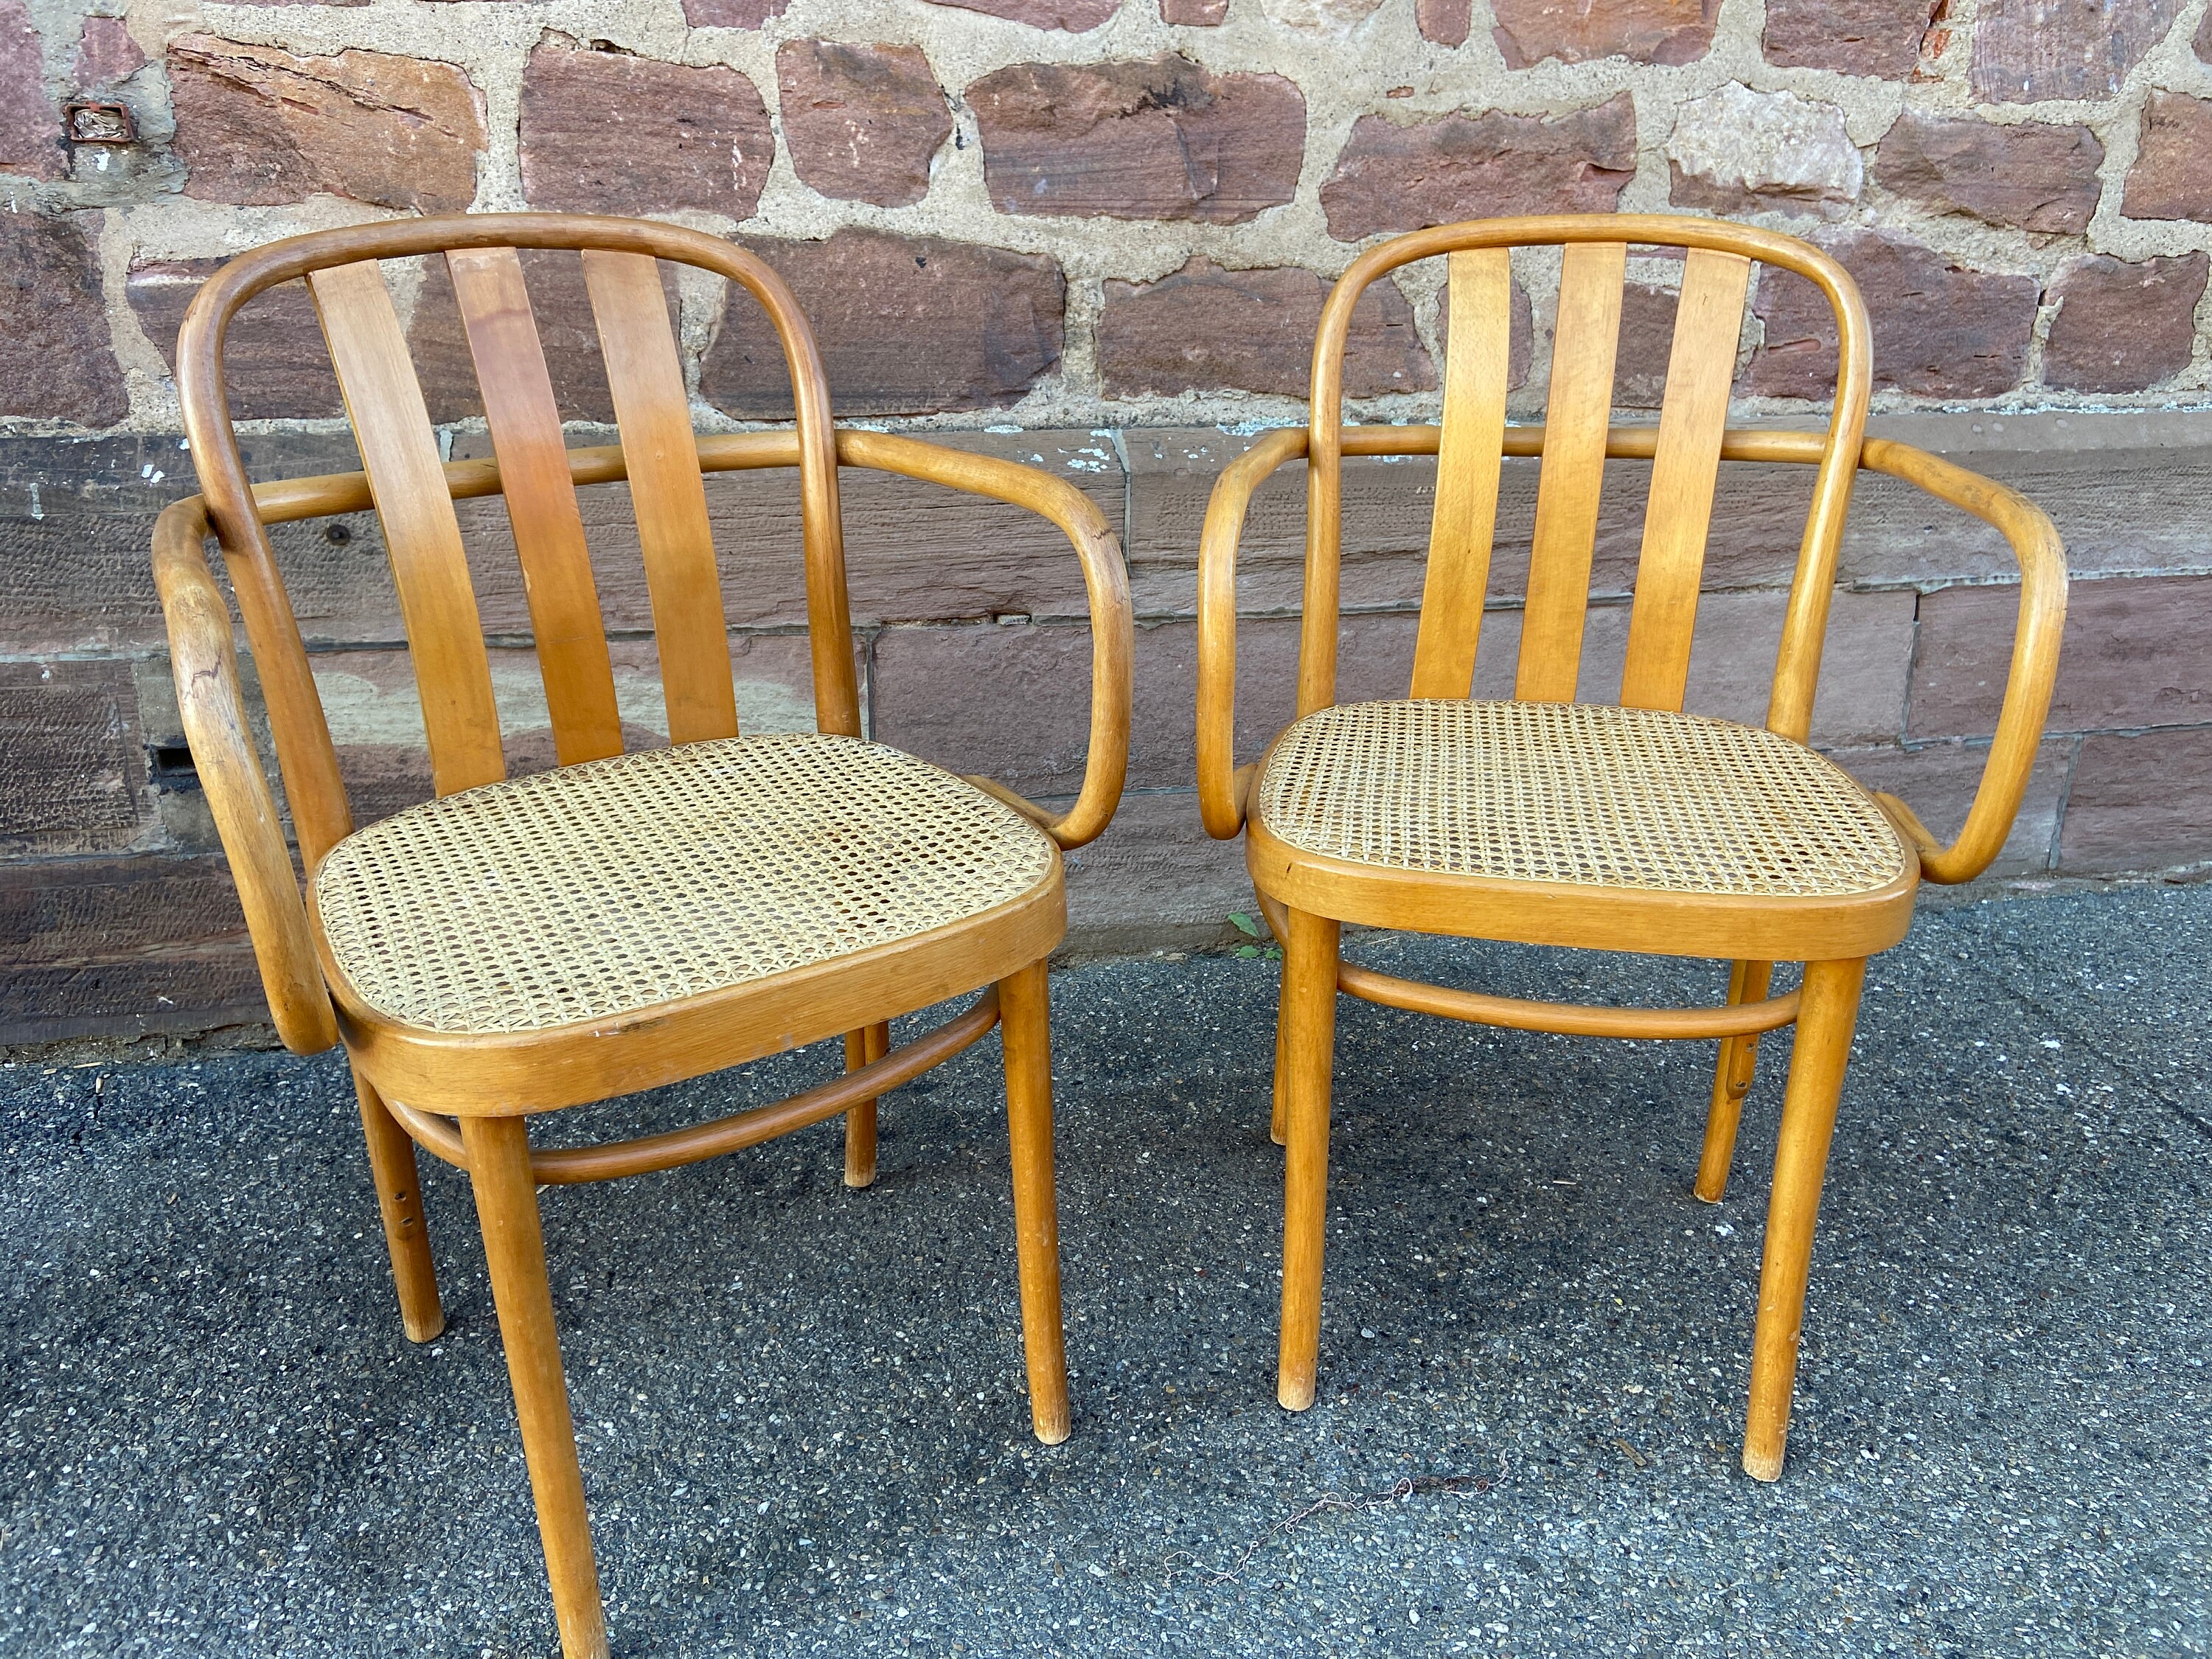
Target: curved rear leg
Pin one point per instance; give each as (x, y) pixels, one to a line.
(400, 1198)
(1739, 1061)
(861, 1048)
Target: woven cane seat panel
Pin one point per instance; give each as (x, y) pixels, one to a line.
(597, 890)
(1575, 792)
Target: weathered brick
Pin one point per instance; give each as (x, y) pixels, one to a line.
(1853, 37)
(2172, 178)
(30, 121)
(1075, 17)
(1159, 139)
(2139, 803)
(275, 364)
(2026, 50)
(2117, 664)
(1393, 177)
(1937, 780)
(2123, 327)
(1739, 151)
(257, 125)
(56, 352)
(1577, 30)
(1940, 330)
(1205, 327)
(1444, 22)
(1194, 13)
(105, 53)
(2029, 174)
(906, 325)
(863, 122)
(72, 773)
(731, 14)
(605, 132)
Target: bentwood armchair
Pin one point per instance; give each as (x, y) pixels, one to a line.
(1627, 826)
(624, 920)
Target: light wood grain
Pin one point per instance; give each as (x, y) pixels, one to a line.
(541, 503)
(1732, 1076)
(1307, 1023)
(400, 1201)
(1026, 1027)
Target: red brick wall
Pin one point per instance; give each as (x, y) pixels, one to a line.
(1097, 233)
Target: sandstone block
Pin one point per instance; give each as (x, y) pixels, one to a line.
(1444, 22)
(72, 770)
(2124, 327)
(2026, 50)
(258, 126)
(863, 122)
(1194, 13)
(2139, 803)
(1646, 31)
(1645, 346)
(2117, 666)
(2034, 176)
(1205, 327)
(105, 53)
(275, 364)
(1940, 330)
(2172, 178)
(1937, 780)
(30, 121)
(1154, 879)
(1392, 177)
(605, 132)
(907, 326)
(1075, 17)
(1740, 151)
(57, 352)
(1158, 139)
(1852, 37)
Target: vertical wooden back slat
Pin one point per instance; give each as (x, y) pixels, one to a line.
(1699, 372)
(399, 453)
(541, 503)
(1470, 454)
(1585, 337)
(666, 493)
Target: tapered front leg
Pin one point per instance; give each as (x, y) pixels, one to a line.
(1025, 1030)
(1306, 1048)
(862, 1047)
(1739, 1062)
(1827, 1012)
(498, 1150)
(400, 1201)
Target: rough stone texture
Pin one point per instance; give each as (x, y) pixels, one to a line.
(2139, 801)
(1444, 22)
(731, 14)
(2026, 50)
(105, 53)
(1576, 31)
(259, 126)
(2033, 176)
(862, 123)
(1740, 151)
(57, 352)
(275, 364)
(1160, 139)
(1391, 176)
(1194, 13)
(1937, 780)
(72, 774)
(1204, 327)
(1940, 330)
(605, 132)
(1075, 17)
(30, 121)
(2201, 45)
(1851, 37)
(906, 325)
(1646, 344)
(2124, 327)
(2172, 178)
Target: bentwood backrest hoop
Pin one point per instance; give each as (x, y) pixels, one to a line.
(1717, 271)
(398, 453)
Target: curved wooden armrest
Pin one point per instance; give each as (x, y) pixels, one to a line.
(2042, 558)
(1221, 787)
(205, 663)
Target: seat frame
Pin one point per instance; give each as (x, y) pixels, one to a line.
(1307, 898)
(465, 1097)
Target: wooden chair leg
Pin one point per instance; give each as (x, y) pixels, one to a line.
(399, 1199)
(1306, 1049)
(1748, 982)
(1826, 1016)
(1025, 1029)
(861, 1048)
(498, 1150)
(1276, 1119)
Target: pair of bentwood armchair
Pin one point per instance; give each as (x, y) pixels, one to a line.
(517, 946)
